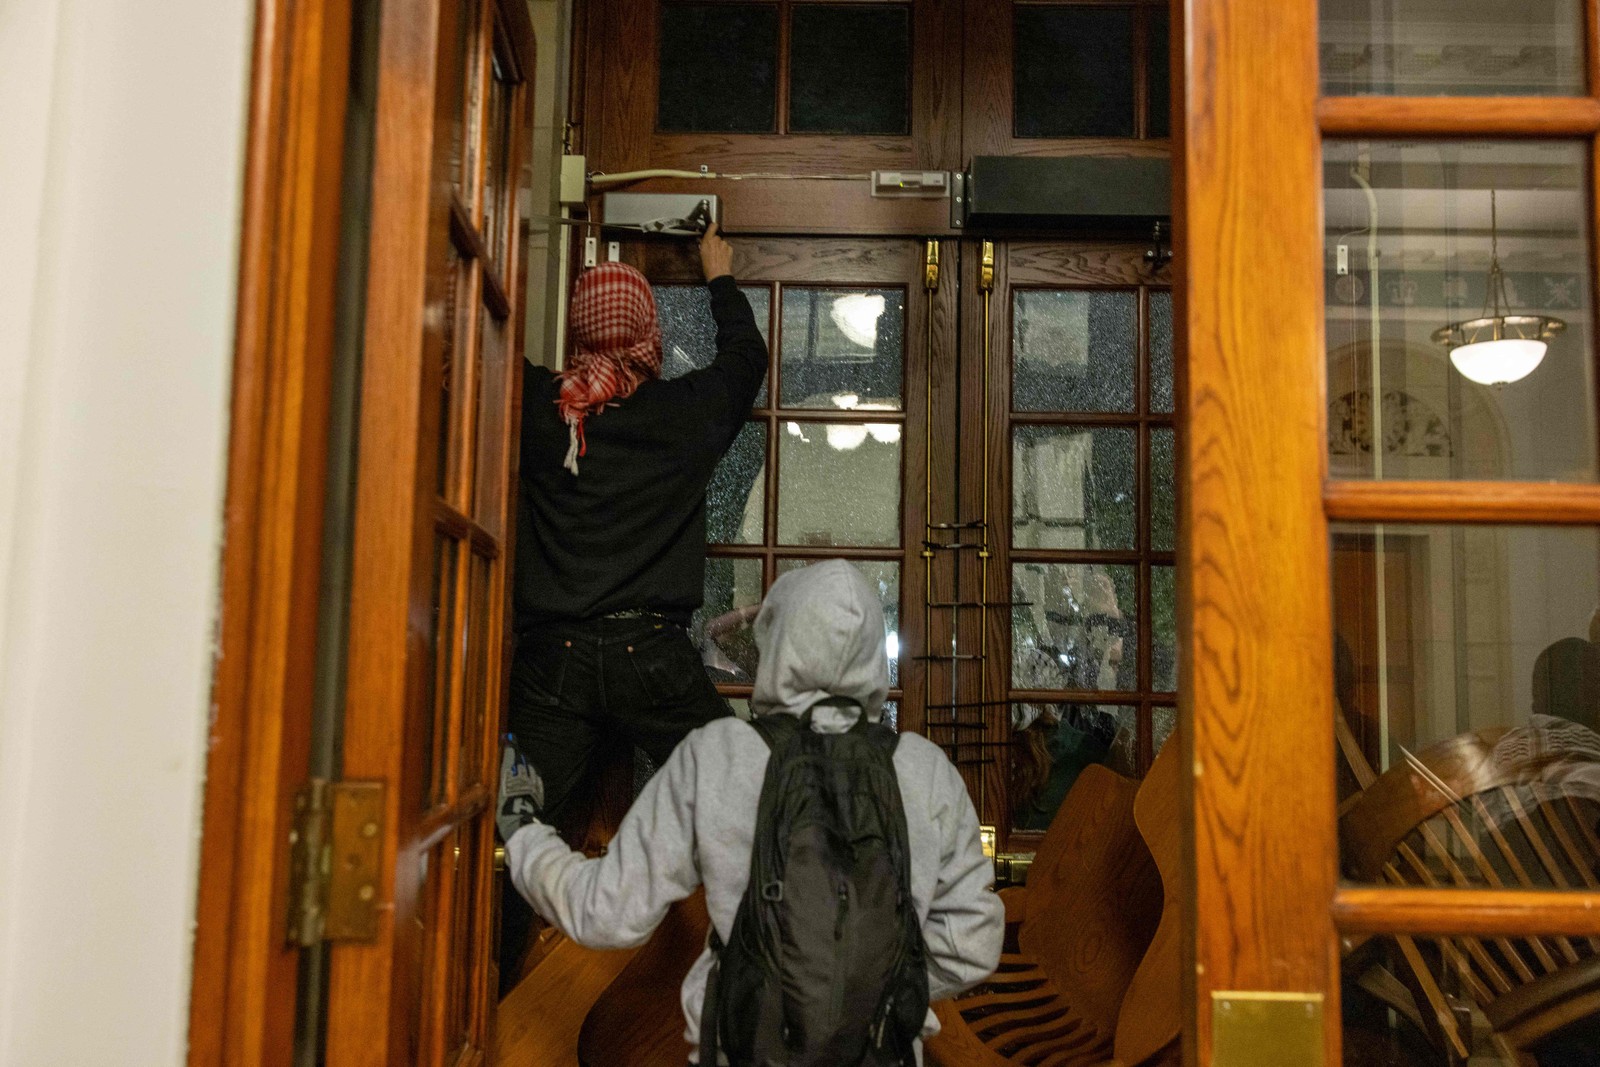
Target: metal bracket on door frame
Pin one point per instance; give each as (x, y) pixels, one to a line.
(335, 861)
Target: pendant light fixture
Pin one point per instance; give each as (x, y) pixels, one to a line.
(1498, 347)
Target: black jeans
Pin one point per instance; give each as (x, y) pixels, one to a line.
(577, 689)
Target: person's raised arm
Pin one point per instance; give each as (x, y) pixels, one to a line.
(741, 359)
(617, 900)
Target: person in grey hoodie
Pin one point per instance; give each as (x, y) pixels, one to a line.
(820, 632)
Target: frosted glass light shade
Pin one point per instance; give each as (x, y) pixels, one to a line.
(1508, 359)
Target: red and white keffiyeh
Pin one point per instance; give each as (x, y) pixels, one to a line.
(616, 346)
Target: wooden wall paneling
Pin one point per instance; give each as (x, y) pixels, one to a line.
(1253, 596)
(622, 114)
(371, 1017)
(242, 1006)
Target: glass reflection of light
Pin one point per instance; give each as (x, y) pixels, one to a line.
(891, 644)
(845, 437)
(857, 316)
(885, 432)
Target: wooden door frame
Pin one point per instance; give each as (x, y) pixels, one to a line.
(1267, 912)
(1253, 597)
(242, 1000)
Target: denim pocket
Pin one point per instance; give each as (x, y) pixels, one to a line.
(667, 666)
(540, 670)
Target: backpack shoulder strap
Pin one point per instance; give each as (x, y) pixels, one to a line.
(775, 728)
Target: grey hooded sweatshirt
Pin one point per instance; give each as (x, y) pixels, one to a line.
(820, 632)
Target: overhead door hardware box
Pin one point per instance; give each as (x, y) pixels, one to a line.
(1077, 193)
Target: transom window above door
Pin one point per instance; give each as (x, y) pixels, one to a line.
(784, 68)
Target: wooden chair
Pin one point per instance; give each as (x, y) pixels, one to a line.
(1492, 809)
(1092, 967)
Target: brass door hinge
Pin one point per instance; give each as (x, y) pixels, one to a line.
(335, 862)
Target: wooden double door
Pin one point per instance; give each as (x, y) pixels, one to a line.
(992, 447)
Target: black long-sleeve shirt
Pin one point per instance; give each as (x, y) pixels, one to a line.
(629, 531)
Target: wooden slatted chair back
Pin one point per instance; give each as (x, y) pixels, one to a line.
(1499, 808)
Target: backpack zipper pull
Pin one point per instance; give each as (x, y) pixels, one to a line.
(844, 902)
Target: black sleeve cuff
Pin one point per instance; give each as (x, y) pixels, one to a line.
(723, 284)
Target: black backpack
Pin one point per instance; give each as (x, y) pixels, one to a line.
(824, 965)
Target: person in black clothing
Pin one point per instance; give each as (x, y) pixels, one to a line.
(611, 534)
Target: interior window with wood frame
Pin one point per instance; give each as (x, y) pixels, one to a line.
(1458, 290)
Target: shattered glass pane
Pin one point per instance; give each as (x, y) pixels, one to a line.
(736, 499)
(1075, 626)
(839, 483)
(1161, 351)
(1073, 349)
(843, 349)
(724, 627)
(689, 333)
(1163, 490)
(1072, 487)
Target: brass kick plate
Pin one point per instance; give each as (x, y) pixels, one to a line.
(1251, 1029)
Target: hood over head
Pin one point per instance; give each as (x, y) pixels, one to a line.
(820, 634)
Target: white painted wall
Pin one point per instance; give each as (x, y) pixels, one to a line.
(120, 178)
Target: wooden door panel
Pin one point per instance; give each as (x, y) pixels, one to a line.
(1045, 271)
(926, 398)
(440, 385)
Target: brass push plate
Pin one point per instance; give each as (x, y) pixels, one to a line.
(1250, 1029)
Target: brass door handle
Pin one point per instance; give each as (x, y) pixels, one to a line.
(499, 858)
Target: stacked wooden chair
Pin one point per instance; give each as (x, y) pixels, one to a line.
(1090, 972)
(1491, 810)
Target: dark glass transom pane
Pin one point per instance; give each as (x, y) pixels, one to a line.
(719, 68)
(1073, 71)
(1159, 75)
(1073, 349)
(843, 349)
(1072, 487)
(737, 496)
(1055, 742)
(849, 69)
(1075, 626)
(689, 333)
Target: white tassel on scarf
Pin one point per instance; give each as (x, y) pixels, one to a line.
(571, 462)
